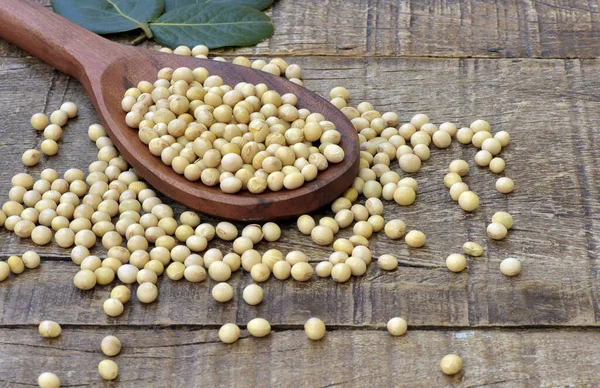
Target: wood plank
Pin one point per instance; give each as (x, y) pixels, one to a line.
(438, 28)
(286, 358)
(555, 205)
(424, 295)
(587, 175)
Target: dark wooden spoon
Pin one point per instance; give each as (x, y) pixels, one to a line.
(106, 69)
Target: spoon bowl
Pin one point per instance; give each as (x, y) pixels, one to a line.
(107, 69)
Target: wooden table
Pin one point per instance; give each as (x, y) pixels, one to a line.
(527, 67)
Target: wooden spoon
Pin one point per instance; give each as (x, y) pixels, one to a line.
(106, 69)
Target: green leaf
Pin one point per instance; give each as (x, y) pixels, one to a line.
(109, 16)
(256, 4)
(213, 25)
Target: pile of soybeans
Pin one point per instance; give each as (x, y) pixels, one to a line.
(241, 137)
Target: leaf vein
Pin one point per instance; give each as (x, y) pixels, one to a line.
(208, 24)
(141, 25)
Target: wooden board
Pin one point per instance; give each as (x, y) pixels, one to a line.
(286, 358)
(437, 28)
(526, 331)
(422, 296)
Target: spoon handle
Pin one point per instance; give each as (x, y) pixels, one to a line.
(62, 44)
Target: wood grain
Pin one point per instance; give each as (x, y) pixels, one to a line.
(423, 296)
(436, 28)
(550, 107)
(286, 358)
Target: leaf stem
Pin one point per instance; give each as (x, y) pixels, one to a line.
(147, 31)
(139, 39)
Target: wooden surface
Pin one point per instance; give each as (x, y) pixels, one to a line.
(185, 356)
(537, 329)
